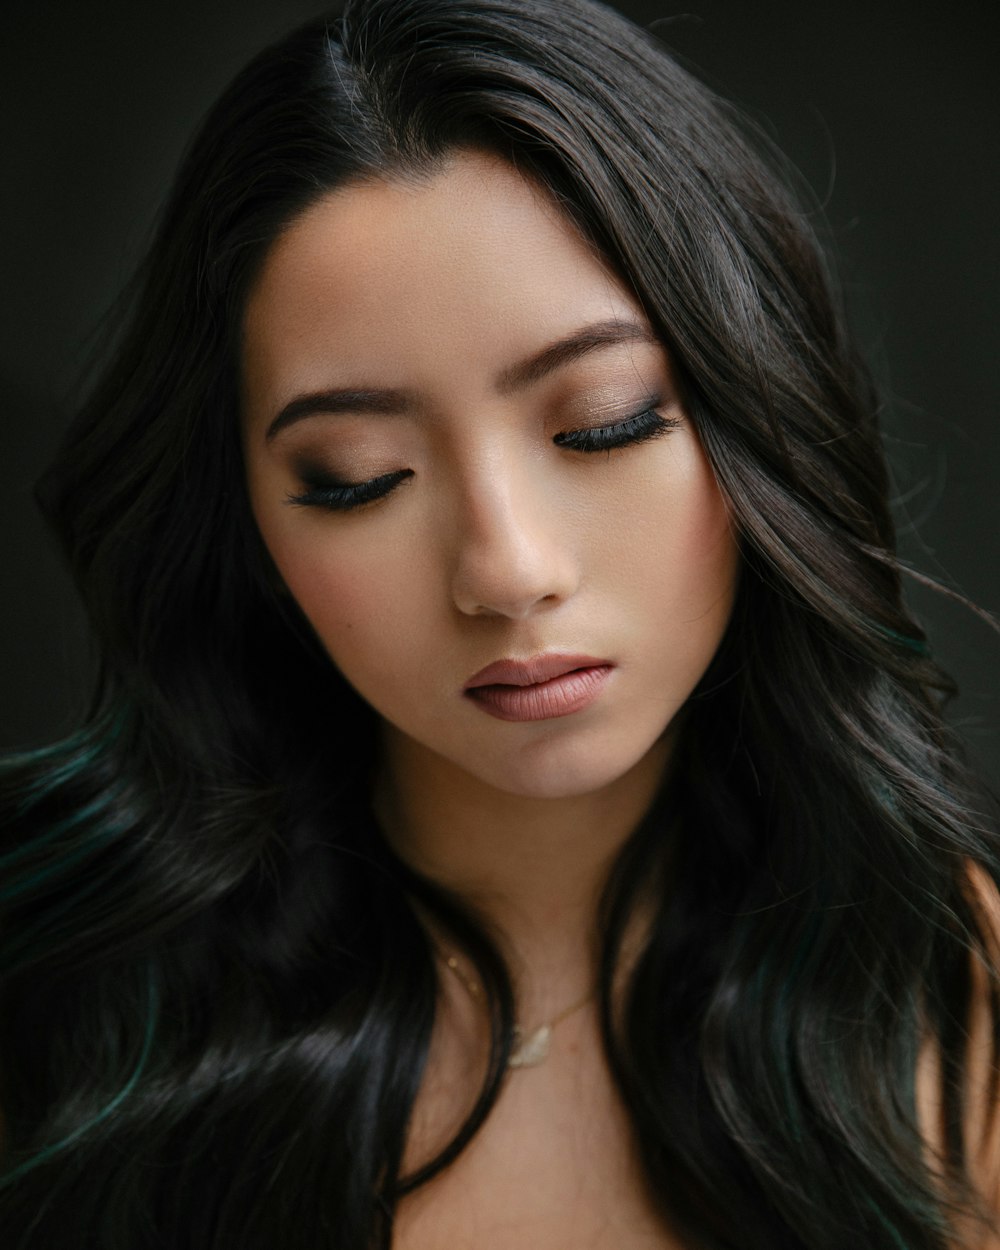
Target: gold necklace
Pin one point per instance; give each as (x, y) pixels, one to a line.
(531, 1047)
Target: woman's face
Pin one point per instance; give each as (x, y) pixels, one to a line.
(464, 445)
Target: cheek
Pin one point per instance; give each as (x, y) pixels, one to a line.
(693, 587)
(704, 551)
(362, 603)
(674, 542)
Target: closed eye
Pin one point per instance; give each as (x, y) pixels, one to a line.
(345, 496)
(638, 429)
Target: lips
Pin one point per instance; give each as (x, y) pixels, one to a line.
(540, 688)
(530, 672)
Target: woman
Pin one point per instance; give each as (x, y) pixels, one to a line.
(515, 810)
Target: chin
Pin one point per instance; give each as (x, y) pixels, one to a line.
(563, 770)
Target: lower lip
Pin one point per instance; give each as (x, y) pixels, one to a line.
(560, 696)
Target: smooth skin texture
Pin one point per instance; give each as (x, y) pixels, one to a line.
(500, 542)
(444, 295)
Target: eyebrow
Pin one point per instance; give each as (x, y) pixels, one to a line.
(517, 377)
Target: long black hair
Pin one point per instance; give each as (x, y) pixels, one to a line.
(215, 994)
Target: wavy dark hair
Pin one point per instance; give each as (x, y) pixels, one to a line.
(216, 997)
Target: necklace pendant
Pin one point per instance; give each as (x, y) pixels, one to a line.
(530, 1049)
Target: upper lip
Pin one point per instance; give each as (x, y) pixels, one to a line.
(531, 671)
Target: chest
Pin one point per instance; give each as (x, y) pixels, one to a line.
(553, 1168)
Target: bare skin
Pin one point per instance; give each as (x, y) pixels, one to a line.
(499, 543)
(496, 540)
(503, 543)
(553, 1168)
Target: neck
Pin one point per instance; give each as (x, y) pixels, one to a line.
(532, 868)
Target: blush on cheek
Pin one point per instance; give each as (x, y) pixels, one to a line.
(330, 594)
(714, 544)
(707, 562)
(705, 517)
(361, 612)
(332, 605)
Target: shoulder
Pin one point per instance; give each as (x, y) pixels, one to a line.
(982, 1103)
(980, 1095)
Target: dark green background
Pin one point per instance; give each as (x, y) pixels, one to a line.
(890, 111)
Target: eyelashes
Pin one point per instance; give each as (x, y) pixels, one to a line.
(343, 496)
(638, 429)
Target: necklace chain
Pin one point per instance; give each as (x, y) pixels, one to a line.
(531, 1047)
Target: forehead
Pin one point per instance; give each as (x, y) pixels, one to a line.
(472, 263)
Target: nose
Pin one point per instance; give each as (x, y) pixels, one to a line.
(513, 550)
